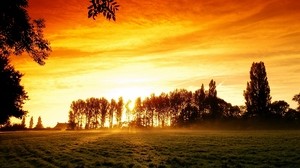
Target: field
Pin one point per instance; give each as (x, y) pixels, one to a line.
(165, 148)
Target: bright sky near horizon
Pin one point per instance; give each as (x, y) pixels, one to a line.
(157, 46)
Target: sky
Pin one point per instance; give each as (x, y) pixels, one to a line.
(157, 46)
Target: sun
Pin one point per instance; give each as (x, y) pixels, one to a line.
(129, 95)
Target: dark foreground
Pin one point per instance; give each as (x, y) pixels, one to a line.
(183, 148)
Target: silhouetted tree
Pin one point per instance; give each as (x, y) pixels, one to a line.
(119, 111)
(71, 122)
(213, 102)
(138, 109)
(177, 103)
(104, 106)
(232, 112)
(74, 114)
(163, 109)
(78, 110)
(212, 91)
(8, 124)
(23, 124)
(18, 33)
(297, 99)
(292, 115)
(199, 101)
(93, 108)
(128, 110)
(12, 93)
(149, 110)
(279, 108)
(186, 108)
(31, 123)
(112, 110)
(39, 124)
(257, 93)
(106, 7)
(89, 112)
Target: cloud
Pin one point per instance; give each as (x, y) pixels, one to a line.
(157, 46)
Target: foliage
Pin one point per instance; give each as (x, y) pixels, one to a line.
(12, 95)
(112, 110)
(169, 148)
(18, 33)
(93, 113)
(257, 93)
(279, 108)
(23, 121)
(107, 7)
(119, 110)
(199, 101)
(39, 124)
(183, 108)
(31, 123)
(179, 108)
(14, 127)
(297, 99)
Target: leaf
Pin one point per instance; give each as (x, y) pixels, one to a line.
(90, 13)
(99, 8)
(90, 7)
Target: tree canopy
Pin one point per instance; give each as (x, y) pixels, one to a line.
(257, 93)
(19, 33)
(296, 98)
(39, 124)
(12, 93)
(107, 8)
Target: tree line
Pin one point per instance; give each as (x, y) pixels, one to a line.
(183, 108)
(177, 108)
(22, 126)
(19, 34)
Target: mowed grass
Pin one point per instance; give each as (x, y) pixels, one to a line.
(160, 148)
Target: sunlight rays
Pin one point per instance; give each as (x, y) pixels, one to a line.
(163, 46)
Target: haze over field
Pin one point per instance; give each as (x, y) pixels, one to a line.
(157, 46)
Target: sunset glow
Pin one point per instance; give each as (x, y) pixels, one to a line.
(157, 46)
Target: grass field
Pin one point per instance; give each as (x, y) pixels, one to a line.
(183, 148)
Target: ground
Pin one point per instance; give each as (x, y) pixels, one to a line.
(159, 148)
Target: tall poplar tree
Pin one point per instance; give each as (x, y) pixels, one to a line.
(257, 93)
(31, 123)
(39, 124)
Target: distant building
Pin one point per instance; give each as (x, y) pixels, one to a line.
(61, 126)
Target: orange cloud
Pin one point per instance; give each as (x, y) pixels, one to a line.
(157, 46)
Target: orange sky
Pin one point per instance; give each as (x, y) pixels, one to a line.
(157, 46)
